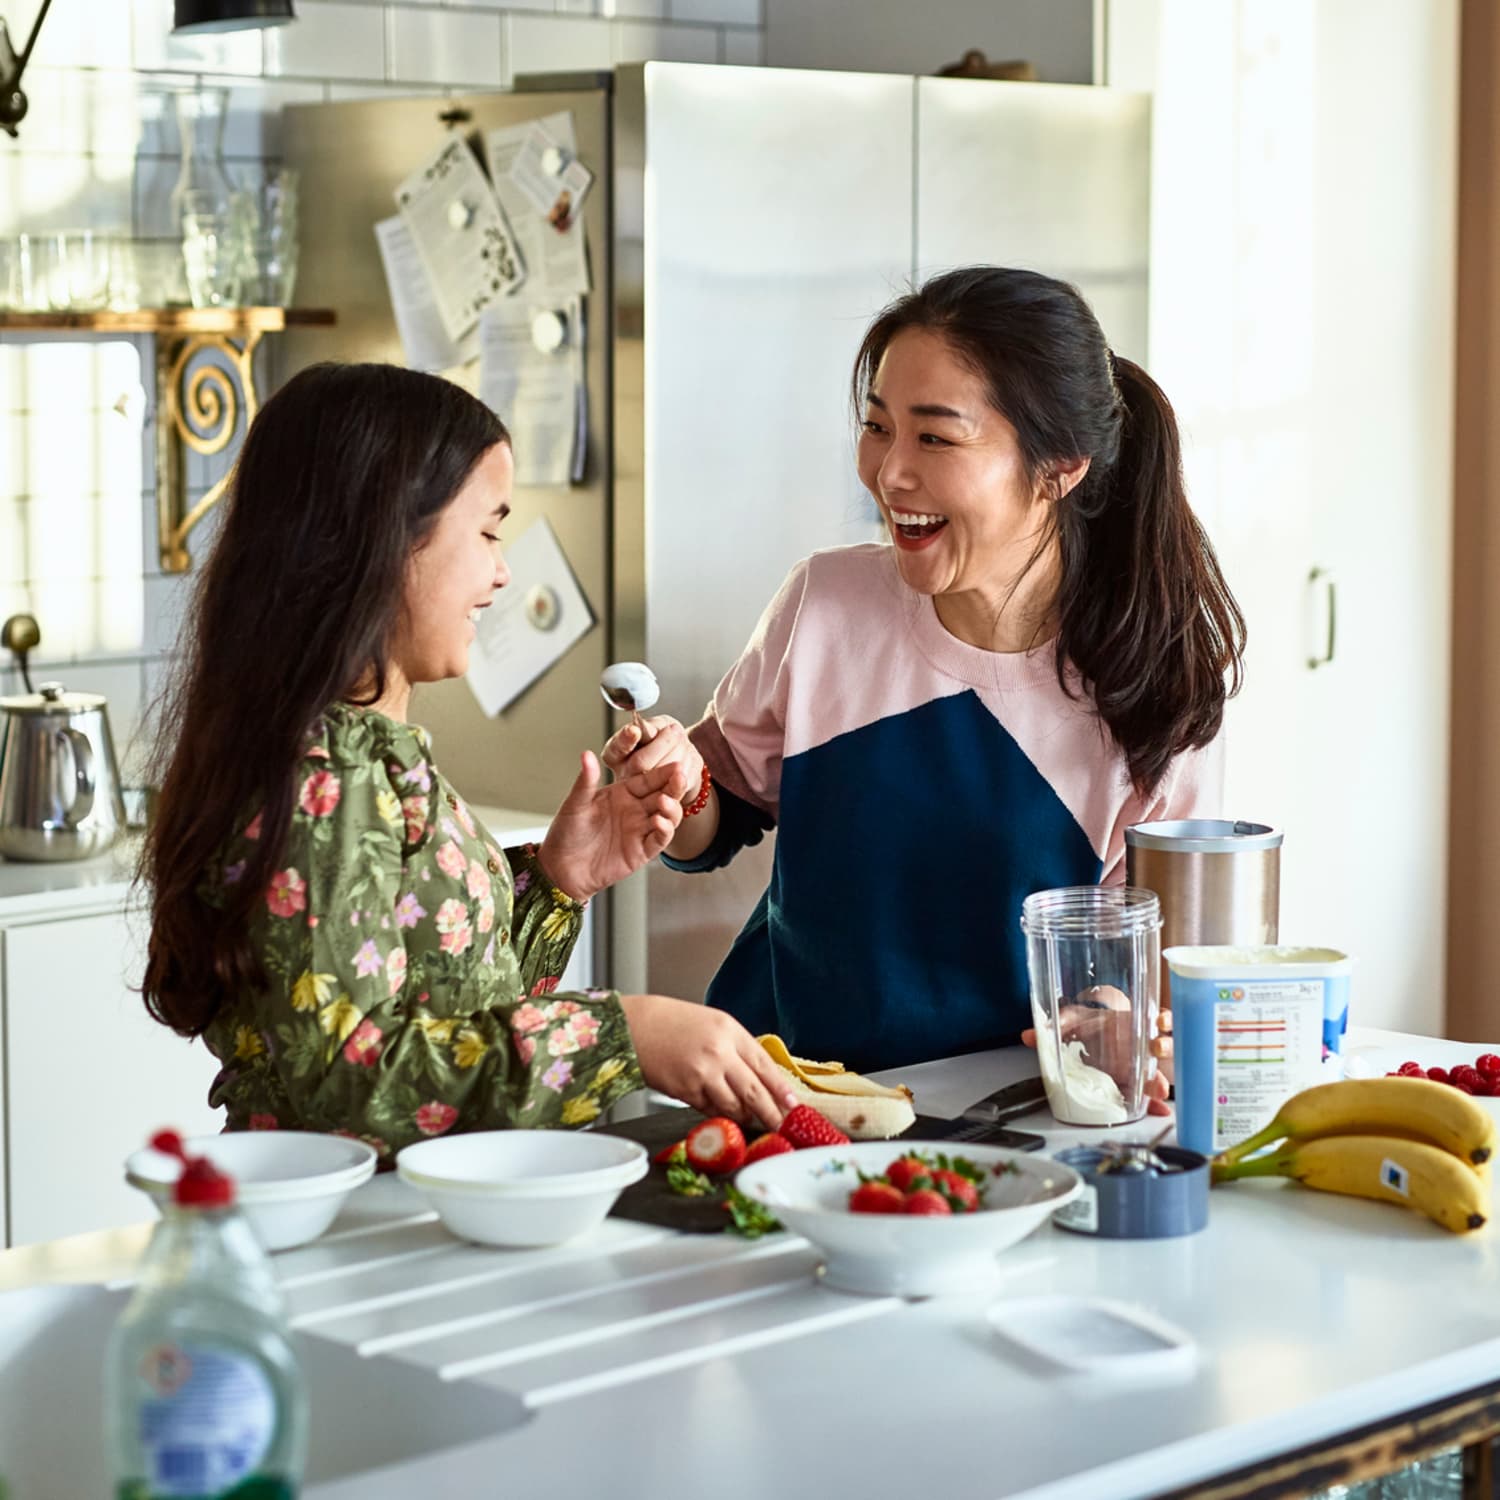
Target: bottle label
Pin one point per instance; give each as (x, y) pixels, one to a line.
(209, 1421)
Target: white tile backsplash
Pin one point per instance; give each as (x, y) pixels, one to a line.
(100, 147)
(640, 41)
(431, 46)
(557, 44)
(744, 49)
(728, 12)
(329, 40)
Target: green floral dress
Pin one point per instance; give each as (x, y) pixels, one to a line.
(411, 966)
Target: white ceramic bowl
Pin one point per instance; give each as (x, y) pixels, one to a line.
(289, 1184)
(522, 1187)
(908, 1255)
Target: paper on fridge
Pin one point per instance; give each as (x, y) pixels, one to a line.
(535, 618)
(418, 321)
(466, 246)
(548, 171)
(531, 374)
(557, 263)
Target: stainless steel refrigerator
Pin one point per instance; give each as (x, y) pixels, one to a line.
(744, 226)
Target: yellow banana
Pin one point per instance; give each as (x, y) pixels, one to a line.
(1389, 1170)
(860, 1108)
(1411, 1107)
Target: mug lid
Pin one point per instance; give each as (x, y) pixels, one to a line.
(51, 698)
(1203, 836)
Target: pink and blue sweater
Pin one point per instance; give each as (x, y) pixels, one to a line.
(920, 788)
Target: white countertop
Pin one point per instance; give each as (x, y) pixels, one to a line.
(683, 1361)
(38, 891)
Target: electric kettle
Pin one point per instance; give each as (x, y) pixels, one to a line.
(59, 784)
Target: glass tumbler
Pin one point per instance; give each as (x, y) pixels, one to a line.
(1093, 954)
(213, 251)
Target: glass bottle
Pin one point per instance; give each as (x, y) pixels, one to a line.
(201, 117)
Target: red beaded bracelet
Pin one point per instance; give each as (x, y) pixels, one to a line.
(701, 800)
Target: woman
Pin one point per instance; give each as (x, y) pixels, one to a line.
(327, 912)
(939, 727)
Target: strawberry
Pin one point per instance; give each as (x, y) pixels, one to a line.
(958, 1190)
(877, 1198)
(905, 1170)
(717, 1146)
(767, 1145)
(668, 1154)
(803, 1126)
(926, 1201)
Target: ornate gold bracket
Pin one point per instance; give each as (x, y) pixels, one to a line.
(198, 409)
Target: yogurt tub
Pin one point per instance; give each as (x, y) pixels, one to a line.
(1253, 1026)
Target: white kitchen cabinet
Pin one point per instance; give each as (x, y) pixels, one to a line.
(88, 1075)
(1302, 321)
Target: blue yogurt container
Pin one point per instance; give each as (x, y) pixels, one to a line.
(1252, 1027)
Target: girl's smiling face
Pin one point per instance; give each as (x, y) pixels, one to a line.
(455, 574)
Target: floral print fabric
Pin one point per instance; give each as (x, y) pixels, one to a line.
(411, 965)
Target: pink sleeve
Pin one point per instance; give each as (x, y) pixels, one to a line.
(742, 736)
(1192, 788)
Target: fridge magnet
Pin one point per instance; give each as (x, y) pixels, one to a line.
(551, 176)
(463, 240)
(543, 608)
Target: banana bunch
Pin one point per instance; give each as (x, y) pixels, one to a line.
(1408, 1141)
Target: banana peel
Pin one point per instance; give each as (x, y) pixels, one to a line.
(863, 1110)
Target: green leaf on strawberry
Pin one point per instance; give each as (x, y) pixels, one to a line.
(682, 1179)
(747, 1217)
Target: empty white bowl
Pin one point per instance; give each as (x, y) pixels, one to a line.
(908, 1255)
(289, 1184)
(522, 1187)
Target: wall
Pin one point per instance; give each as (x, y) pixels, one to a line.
(99, 149)
(895, 36)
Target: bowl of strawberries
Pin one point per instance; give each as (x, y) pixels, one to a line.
(913, 1220)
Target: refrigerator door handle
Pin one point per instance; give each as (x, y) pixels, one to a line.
(1325, 577)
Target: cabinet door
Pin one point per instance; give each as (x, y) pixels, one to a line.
(88, 1075)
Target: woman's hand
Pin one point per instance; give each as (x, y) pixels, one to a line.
(601, 834)
(656, 742)
(707, 1059)
(1106, 1031)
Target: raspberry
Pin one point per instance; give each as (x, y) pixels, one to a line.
(1412, 1070)
(1438, 1075)
(1488, 1063)
(1460, 1085)
(1465, 1076)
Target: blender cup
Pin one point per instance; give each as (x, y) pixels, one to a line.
(1094, 956)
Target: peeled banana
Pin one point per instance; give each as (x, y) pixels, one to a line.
(863, 1110)
(1412, 1108)
(1385, 1168)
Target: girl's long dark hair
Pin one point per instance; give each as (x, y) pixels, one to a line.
(340, 480)
(1144, 613)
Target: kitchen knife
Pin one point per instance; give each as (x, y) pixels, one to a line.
(981, 1122)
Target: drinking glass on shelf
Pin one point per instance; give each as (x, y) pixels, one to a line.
(213, 251)
(270, 207)
(81, 270)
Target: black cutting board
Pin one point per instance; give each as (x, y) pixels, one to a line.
(651, 1201)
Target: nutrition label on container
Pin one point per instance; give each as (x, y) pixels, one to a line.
(1268, 1045)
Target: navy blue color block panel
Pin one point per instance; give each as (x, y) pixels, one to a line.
(890, 932)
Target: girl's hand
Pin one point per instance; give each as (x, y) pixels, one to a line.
(601, 834)
(707, 1059)
(657, 742)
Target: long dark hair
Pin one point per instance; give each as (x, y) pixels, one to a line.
(340, 480)
(1144, 613)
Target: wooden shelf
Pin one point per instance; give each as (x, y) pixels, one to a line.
(173, 320)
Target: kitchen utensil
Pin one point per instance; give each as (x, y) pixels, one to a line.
(522, 1187)
(908, 1255)
(629, 686)
(21, 635)
(1218, 881)
(1093, 954)
(981, 1121)
(1148, 1203)
(290, 1183)
(59, 785)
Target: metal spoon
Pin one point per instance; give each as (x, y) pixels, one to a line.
(629, 686)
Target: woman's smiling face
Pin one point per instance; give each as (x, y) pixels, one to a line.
(947, 471)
